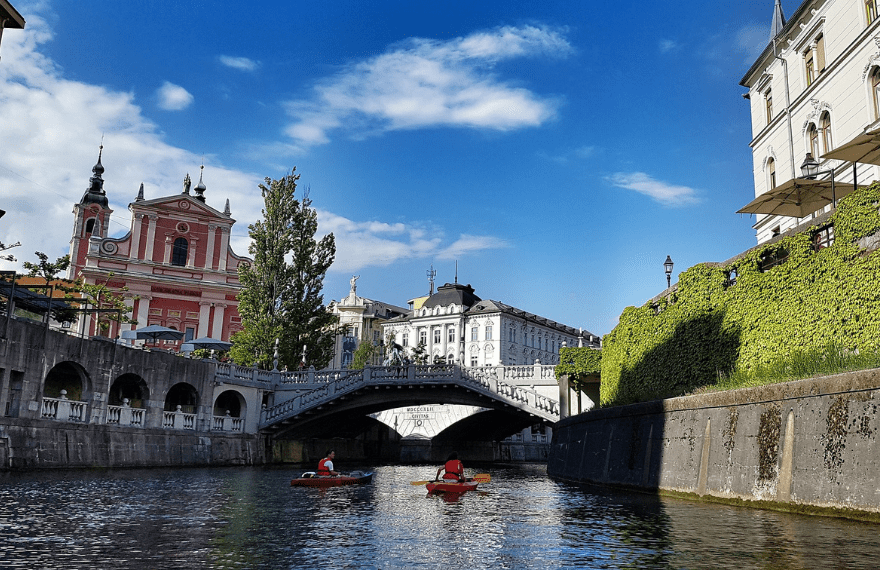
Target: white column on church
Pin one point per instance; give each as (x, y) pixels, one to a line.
(151, 236)
(224, 247)
(217, 329)
(204, 318)
(209, 252)
(169, 245)
(191, 252)
(129, 302)
(136, 236)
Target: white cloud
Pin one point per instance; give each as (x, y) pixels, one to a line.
(427, 83)
(667, 46)
(240, 63)
(173, 97)
(752, 39)
(50, 143)
(662, 192)
(380, 244)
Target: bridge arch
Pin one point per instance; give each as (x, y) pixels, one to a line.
(232, 402)
(70, 377)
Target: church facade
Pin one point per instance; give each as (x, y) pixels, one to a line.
(175, 265)
(815, 87)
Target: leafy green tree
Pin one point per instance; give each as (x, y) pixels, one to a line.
(363, 355)
(281, 294)
(45, 269)
(420, 353)
(102, 296)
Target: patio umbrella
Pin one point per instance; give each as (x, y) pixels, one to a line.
(206, 343)
(864, 148)
(797, 198)
(154, 333)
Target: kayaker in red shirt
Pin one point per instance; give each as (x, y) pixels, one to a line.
(454, 470)
(325, 466)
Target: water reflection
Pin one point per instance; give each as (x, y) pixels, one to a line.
(252, 518)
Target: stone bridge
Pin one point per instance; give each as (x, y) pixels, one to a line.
(318, 403)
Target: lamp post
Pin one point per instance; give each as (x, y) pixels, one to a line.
(810, 170)
(667, 265)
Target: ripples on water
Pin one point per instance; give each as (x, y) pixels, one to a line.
(252, 518)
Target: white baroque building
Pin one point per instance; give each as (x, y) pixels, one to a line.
(815, 87)
(455, 325)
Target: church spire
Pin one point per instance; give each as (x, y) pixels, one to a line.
(200, 189)
(778, 21)
(95, 192)
(140, 196)
(226, 211)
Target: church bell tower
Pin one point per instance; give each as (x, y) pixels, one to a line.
(91, 218)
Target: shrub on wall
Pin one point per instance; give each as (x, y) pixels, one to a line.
(781, 299)
(579, 363)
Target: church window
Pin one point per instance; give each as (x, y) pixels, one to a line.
(90, 225)
(179, 251)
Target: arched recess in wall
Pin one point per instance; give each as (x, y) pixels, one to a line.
(132, 387)
(230, 401)
(184, 395)
(68, 376)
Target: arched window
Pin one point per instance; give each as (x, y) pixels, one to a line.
(178, 252)
(771, 171)
(825, 127)
(875, 91)
(813, 137)
(90, 225)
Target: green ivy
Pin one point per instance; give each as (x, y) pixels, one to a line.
(579, 363)
(710, 326)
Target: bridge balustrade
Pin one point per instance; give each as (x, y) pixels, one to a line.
(227, 423)
(125, 415)
(178, 420)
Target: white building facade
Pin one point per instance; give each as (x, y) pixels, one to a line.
(456, 326)
(815, 87)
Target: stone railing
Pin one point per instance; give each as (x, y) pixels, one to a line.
(227, 423)
(125, 415)
(62, 409)
(483, 379)
(178, 419)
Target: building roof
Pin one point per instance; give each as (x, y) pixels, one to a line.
(95, 192)
(30, 300)
(452, 293)
(775, 32)
(10, 16)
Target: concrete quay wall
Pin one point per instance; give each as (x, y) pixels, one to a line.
(805, 446)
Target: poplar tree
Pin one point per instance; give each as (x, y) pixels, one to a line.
(281, 296)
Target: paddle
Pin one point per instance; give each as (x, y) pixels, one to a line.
(479, 478)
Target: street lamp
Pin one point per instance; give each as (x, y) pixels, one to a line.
(810, 170)
(667, 265)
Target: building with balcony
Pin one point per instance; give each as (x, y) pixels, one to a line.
(814, 89)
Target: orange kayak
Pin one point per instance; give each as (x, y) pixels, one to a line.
(451, 486)
(310, 479)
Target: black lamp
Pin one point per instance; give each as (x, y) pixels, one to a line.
(667, 265)
(809, 167)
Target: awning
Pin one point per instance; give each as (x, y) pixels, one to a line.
(796, 198)
(864, 148)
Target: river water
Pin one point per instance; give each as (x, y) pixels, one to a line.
(253, 518)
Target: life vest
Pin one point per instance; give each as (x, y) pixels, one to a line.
(454, 470)
(323, 470)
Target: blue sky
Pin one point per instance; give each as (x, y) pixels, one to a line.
(558, 151)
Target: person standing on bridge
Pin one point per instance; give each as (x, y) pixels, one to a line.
(454, 469)
(325, 466)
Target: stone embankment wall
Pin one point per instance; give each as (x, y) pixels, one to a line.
(806, 446)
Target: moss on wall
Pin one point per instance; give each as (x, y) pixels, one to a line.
(744, 314)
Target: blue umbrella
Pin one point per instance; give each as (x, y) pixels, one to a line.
(154, 333)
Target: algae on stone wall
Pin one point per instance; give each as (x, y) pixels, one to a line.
(774, 301)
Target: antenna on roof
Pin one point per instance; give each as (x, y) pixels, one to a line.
(432, 273)
(456, 272)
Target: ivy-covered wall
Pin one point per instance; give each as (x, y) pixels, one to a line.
(579, 363)
(741, 314)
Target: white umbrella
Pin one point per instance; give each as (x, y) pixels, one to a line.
(154, 333)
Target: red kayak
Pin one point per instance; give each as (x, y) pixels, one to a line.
(311, 479)
(451, 486)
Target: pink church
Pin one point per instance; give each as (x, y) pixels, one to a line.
(176, 261)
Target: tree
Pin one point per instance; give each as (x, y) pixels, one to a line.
(420, 353)
(45, 269)
(281, 293)
(363, 355)
(102, 296)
